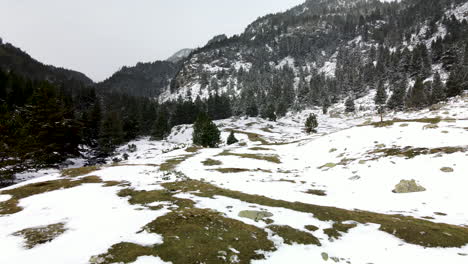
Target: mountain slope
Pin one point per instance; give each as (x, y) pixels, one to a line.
(144, 79)
(15, 60)
(322, 51)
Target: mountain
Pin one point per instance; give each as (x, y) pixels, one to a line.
(180, 55)
(144, 79)
(323, 51)
(15, 60)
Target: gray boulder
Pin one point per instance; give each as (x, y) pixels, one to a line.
(406, 186)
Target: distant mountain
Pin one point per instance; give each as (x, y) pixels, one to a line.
(15, 60)
(180, 55)
(144, 79)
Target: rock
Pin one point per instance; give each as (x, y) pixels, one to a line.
(333, 150)
(447, 169)
(355, 178)
(380, 145)
(406, 186)
(328, 165)
(324, 256)
(255, 215)
(404, 125)
(362, 162)
(436, 107)
(96, 260)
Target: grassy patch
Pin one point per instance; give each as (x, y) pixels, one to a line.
(260, 149)
(171, 164)
(291, 235)
(411, 230)
(193, 149)
(435, 120)
(148, 197)
(269, 158)
(40, 235)
(239, 170)
(409, 152)
(253, 137)
(317, 192)
(123, 253)
(196, 235)
(11, 206)
(76, 172)
(212, 162)
(337, 229)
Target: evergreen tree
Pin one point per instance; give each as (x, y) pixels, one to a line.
(311, 124)
(397, 100)
(231, 139)
(457, 81)
(111, 133)
(205, 132)
(438, 93)
(381, 95)
(161, 126)
(350, 107)
(417, 96)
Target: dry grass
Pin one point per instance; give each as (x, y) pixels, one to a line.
(266, 157)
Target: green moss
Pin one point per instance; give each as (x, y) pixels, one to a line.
(269, 158)
(123, 253)
(40, 235)
(412, 230)
(317, 192)
(337, 230)
(212, 162)
(311, 228)
(196, 236)
(199, 235)
(328, 166)
(76, 172)
(291, 235)
(147, 197)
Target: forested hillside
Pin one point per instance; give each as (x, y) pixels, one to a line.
(322, 51)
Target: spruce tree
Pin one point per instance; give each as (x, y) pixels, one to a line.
(417, 96)
(311, 124)
(458, 78)
(205, 132)
(231, 139)
(438, 93)
(381, 95)
(350, 107)
(397, 100)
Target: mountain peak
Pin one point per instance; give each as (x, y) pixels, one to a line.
(180, 55)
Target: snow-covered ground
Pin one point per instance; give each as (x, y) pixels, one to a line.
(347, 160)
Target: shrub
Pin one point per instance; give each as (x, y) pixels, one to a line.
(232, 139)
(311, 124)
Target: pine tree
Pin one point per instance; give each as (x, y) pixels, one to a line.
(397, 100)
(111, 133)
(417, 96)
(381, 95)
(161, 126)
(311, 124)
(438, 93)
(231, 139)
(205, 132)
(350, 107)
(457, 81)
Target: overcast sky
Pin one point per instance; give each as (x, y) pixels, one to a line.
(97, 37)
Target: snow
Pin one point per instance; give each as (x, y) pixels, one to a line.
(96, 218)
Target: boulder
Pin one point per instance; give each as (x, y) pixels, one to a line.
(255, 215)
(408, 186)
(447, 169)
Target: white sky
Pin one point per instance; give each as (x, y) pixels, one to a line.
(97, 37)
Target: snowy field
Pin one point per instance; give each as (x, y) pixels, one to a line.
(325, 198)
